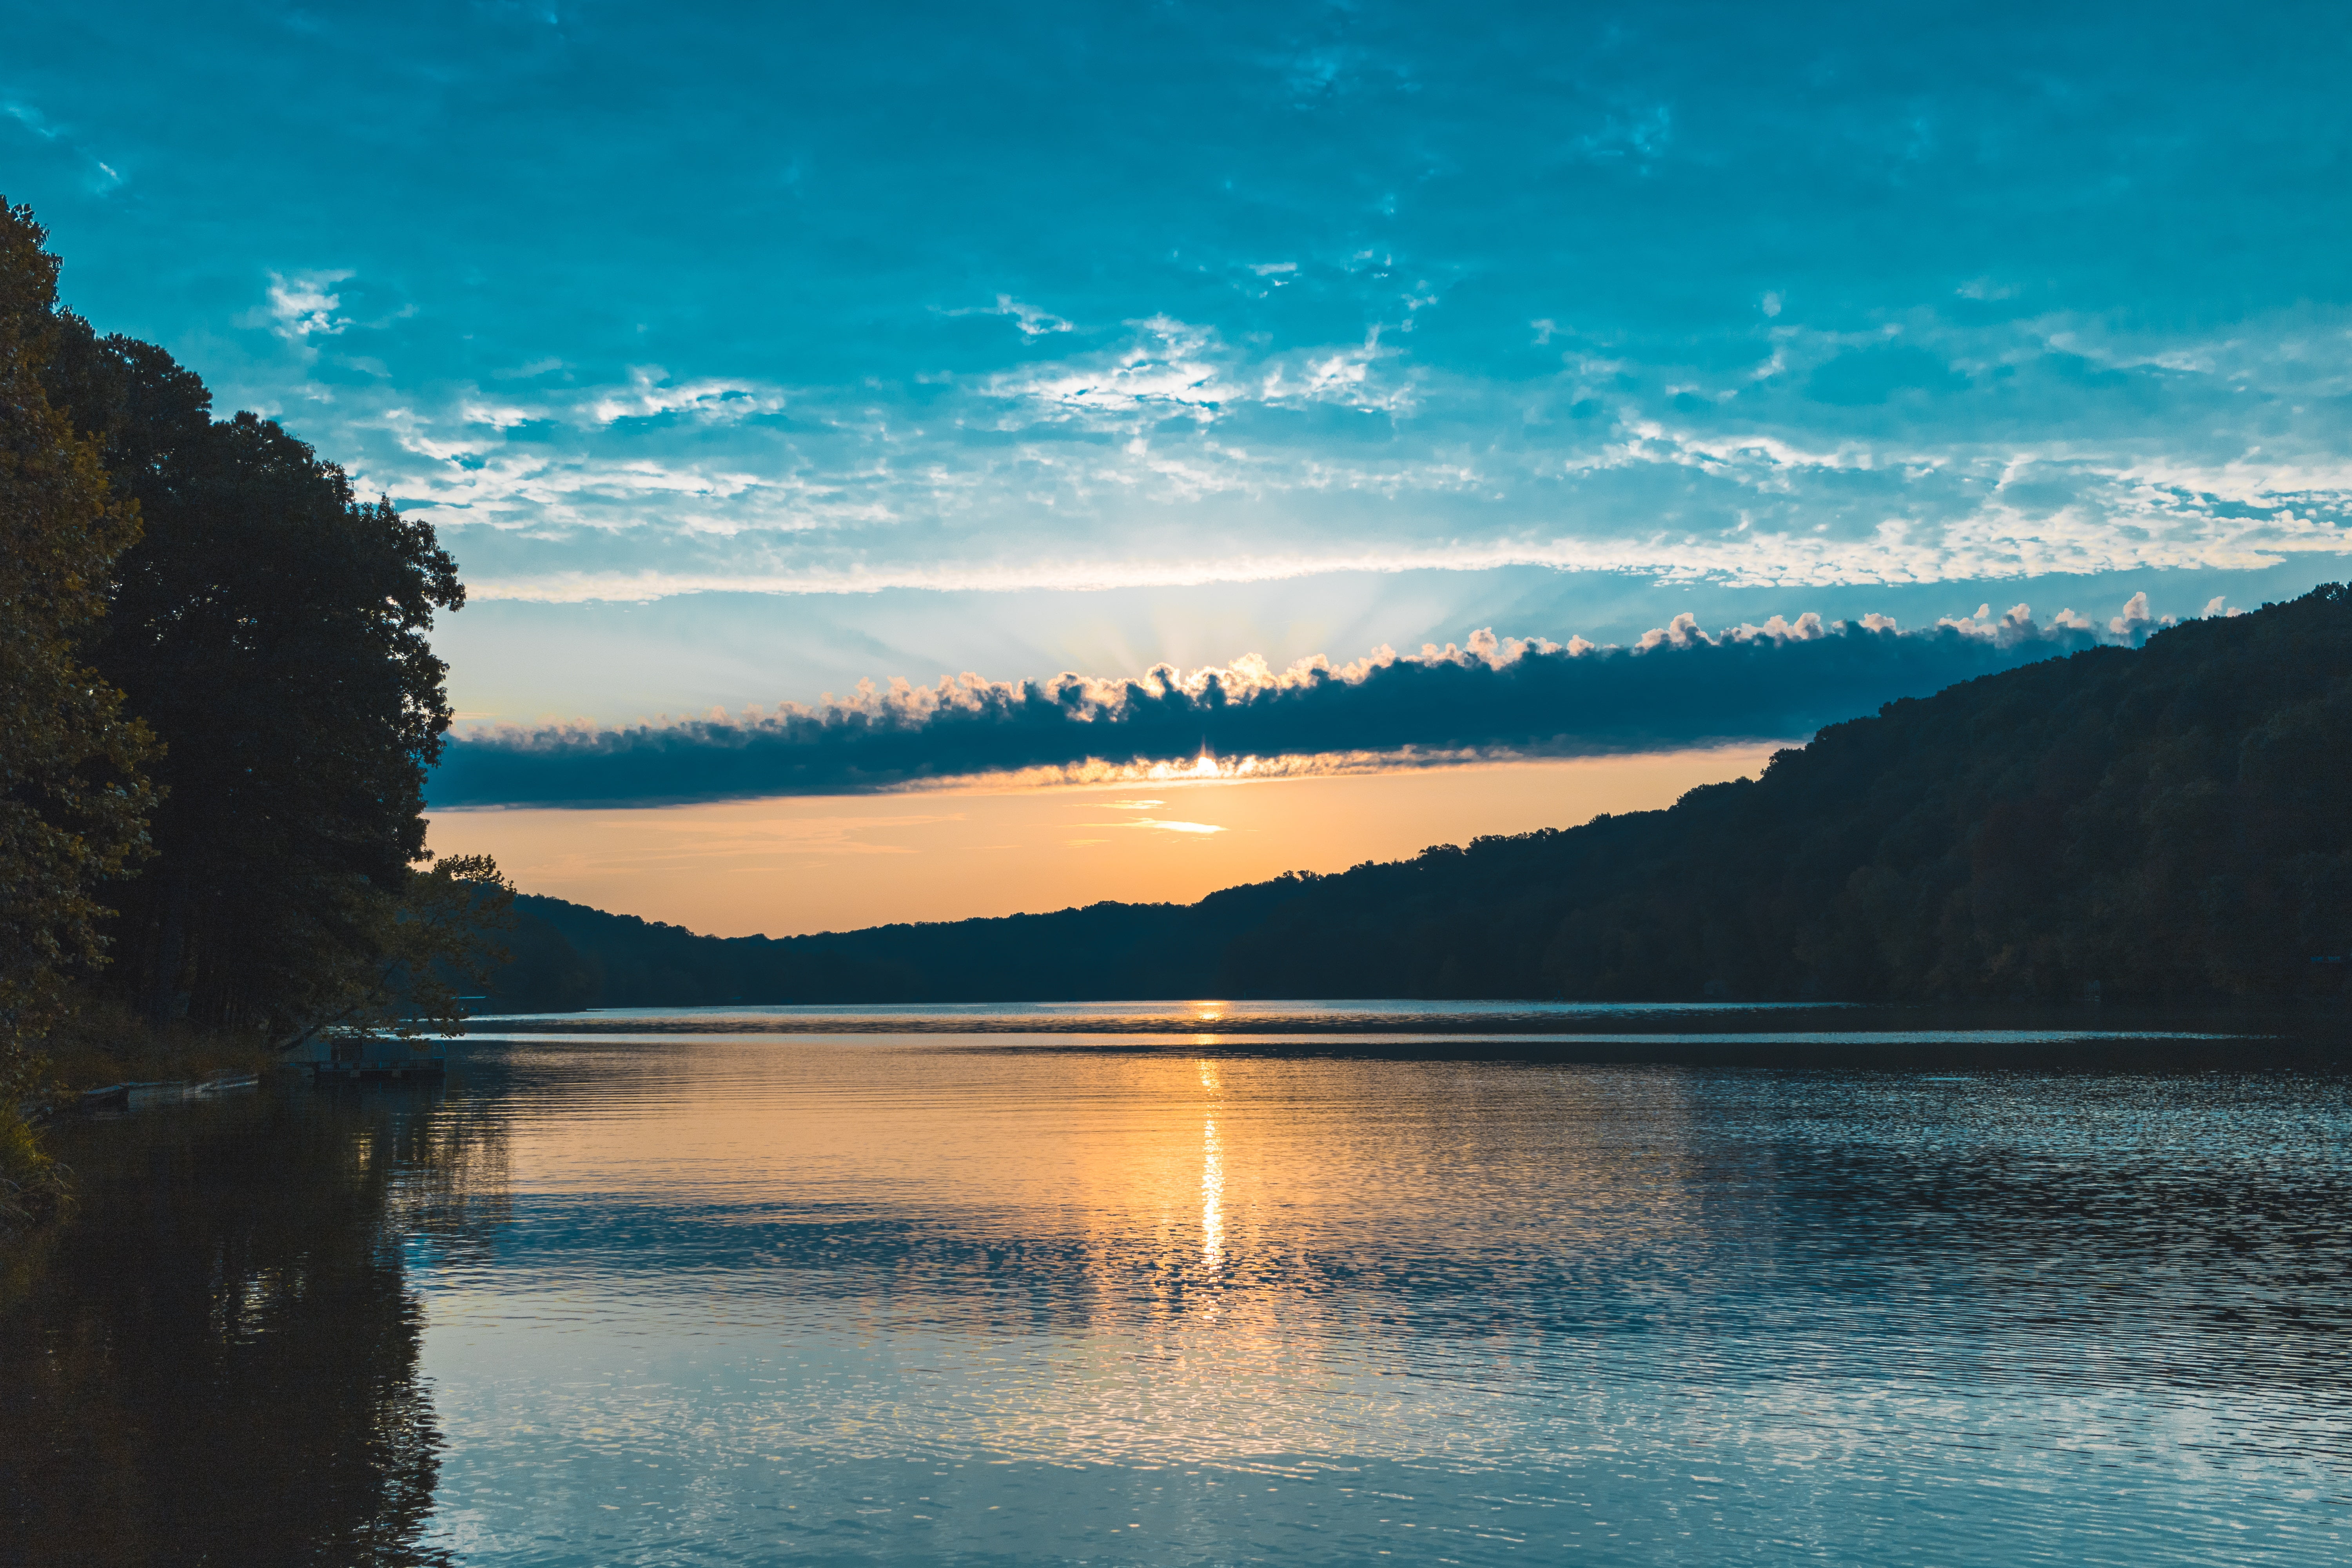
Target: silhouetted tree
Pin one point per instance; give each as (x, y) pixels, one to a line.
(72, 801)
(272, 629)
(419, 955)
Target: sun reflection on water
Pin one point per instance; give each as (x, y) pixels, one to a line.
(1457, 1279)
(1213, 1199)
(1212, 1181)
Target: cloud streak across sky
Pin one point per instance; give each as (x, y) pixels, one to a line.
(1492, 698)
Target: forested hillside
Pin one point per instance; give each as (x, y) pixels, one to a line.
(569, 956)
(2172, 822)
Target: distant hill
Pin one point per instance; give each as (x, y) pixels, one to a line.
(569, 956)
(2166, 823)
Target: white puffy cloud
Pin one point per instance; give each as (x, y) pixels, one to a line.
(304, 305)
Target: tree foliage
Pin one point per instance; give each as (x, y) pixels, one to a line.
(214, 586)
(424, 952)
(2165, 824)
(72, 798)
(272, 629)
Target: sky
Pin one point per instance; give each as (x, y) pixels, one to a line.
(742, 354)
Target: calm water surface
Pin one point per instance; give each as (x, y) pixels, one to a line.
(1143, 1286)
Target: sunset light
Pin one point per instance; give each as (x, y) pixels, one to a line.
(1129, 786)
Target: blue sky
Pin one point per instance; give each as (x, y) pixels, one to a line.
(740, 352)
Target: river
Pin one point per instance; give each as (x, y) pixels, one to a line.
(1202, 1284)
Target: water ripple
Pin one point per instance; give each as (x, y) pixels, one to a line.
(849, 1295)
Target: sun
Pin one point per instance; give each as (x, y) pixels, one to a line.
(1206, 767)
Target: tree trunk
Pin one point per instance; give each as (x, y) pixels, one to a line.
(165, 998)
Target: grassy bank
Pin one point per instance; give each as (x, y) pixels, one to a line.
(108, 1043)
(32, 1186)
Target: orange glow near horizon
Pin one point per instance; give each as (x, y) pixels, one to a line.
(785, 866)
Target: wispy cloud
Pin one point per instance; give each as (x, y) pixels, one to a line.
(304, 305)
(1307, 289)
(1031, 321)
(651, 393)
(102, 177)
(1168, 455)
(32, 119)
(1490, 698)
(1171, 366)
(1158, 824)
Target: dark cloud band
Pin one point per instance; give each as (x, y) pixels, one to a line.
(1679, 687)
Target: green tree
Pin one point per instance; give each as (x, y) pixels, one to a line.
(426, 951)
(272, 629)
(73, 802)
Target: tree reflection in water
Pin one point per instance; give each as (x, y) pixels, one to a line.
(215, 1361)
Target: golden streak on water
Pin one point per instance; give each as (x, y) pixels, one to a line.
(1212, 1179)
(1213, 1199)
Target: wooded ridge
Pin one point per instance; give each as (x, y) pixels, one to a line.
(2167, 823)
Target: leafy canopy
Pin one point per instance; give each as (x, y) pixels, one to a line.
(273, 630)
(73, 802)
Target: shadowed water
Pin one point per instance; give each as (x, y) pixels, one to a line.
(1149, 1286)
